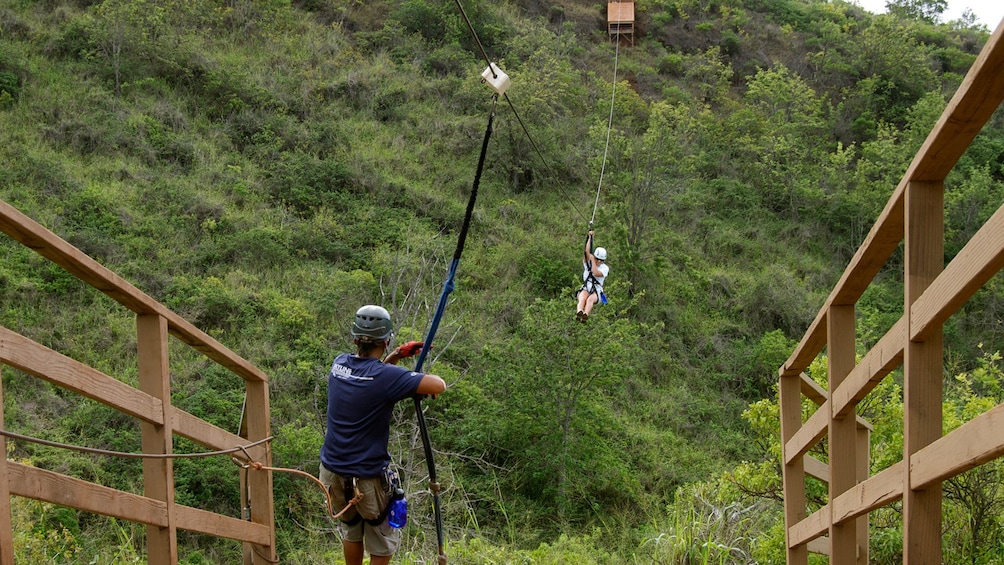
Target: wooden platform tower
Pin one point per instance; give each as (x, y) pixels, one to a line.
(620, 20)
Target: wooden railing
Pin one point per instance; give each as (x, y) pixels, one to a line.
(151, 405)
(914, 216)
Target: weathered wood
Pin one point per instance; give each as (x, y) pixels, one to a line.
(977, 262)
(876, 491)
(42, 362)
(816, 468)
(922, 370)
(202, 521)
(158, 473)
(808, 435)
(49, 486)
(842, 431)
(815, 525)
(792, 471)
(47, 244)
(970, 445)
(257, 424)
(880, 360)
(6, 532)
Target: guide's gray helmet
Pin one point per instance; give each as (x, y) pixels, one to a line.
(372, 323)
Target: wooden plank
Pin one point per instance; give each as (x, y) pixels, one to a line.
(47, 244)
(808, 435)
(793, 472)
(48, 486)
(980, 259)
(842, 431)
(810, 528)
(258, 426)
(879, 490)
(811, 390)
(158, 473)
(40, 484)
(820, 545)
(6, 531)
(618, 12)
(202, 521)
(880, 360)
(976, 99)
(970, 445)
(922, 371)
(816, 468)
(44, 363)
(212, 437)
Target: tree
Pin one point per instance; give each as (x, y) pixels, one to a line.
(926, 10)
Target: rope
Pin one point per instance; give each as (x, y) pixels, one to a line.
(134, 455)
(610, 123)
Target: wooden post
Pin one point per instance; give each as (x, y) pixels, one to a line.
(863, 457)
(256, 421)
(792, 474)
(842, 430)
(6, 530)
(922, 370)
(158, 473)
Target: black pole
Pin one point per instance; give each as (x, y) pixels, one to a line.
(440, 308)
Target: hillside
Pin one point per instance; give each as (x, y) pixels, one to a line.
(265, 167)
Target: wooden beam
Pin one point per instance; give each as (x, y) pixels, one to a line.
(60, 370)
(810, 528)
(6, 531)
(158, 473)
(980, 259)
(880, 489)
(793, 470)
(47, 244)
(49, 486)
(976, 99)
(843, 437)
(880, 360)
(808, 435)
(970, 445)
(816, 468)
(922, 371)
(202, 521)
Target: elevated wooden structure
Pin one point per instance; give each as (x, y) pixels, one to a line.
(620, 20)
(914, 216)
(151, 405)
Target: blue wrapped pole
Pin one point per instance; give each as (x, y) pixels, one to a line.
(448, 287)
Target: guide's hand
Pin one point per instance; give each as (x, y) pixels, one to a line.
(409, 349)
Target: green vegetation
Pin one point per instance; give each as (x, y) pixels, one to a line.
(263, 167)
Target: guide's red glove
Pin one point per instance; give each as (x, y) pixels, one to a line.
(410, 349)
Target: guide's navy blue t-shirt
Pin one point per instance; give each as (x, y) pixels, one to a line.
(362, 392)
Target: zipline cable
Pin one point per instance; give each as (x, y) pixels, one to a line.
(491, 67)
(610, 124)
(448, 287)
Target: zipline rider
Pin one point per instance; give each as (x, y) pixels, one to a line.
(362, 391)
(594, 272)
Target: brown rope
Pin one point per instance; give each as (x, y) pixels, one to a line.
(358, 495)
(94, 450)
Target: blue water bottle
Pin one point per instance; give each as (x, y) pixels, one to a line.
(398, 515)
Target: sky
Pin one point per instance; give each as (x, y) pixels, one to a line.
(988, 12)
